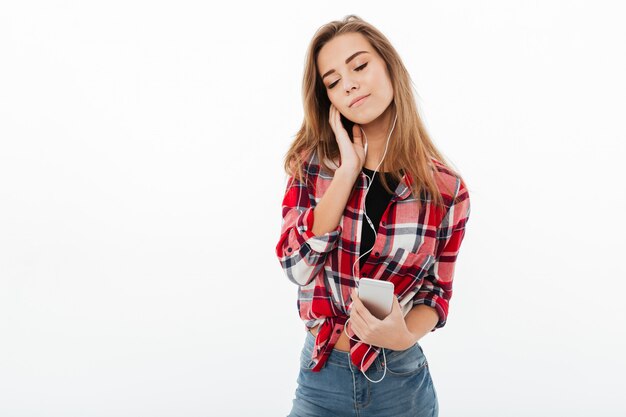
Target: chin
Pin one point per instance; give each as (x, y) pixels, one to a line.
(365, 119)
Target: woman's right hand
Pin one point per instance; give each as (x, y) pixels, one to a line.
(352, 154)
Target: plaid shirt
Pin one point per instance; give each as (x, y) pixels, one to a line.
(414, 250)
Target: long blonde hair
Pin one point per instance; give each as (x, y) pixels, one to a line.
(411, 152)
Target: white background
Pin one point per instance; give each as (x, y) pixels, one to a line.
(141, 148)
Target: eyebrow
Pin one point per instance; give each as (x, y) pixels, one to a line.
(350, 58)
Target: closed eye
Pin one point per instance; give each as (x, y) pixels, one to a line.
(359, 68)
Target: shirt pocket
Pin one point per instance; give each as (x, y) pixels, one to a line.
(419, 263)
(408, 264)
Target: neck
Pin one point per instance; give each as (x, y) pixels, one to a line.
(376, 133)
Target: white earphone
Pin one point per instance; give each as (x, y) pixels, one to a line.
(369, 221)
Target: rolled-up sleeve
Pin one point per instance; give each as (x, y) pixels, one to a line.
(436, 290)
(301, 253)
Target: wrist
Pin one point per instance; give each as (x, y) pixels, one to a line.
(405, 341)
(347, 173)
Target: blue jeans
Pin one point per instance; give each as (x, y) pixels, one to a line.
(340, 389)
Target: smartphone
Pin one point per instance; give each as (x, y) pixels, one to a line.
(377, 296)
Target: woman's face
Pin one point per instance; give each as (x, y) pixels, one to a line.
(365, 74)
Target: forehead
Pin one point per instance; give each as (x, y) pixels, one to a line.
(334, 53)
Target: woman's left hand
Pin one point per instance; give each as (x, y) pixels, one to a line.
(390, 333)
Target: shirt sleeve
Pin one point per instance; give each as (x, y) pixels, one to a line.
(436, 290)
(301, 253)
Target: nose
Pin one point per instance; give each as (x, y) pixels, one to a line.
(349, 84)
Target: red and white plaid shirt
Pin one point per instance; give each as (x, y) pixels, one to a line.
(414, 250)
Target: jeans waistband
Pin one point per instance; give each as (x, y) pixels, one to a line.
(338, 357)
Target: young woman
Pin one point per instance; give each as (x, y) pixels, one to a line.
(368, 195)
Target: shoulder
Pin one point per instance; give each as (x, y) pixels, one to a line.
(313, 167)
(306, 158)
(309, 167)
(449, 182)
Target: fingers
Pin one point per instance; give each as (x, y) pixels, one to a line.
(395, 307)
(395, 301)
(357, 322)
(362, 311)
(331, 116)
(362, 321)
(357, 135)
(335, 123)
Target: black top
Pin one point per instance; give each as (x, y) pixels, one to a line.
(376, 203)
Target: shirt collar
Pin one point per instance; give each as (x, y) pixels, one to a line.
(403, 190)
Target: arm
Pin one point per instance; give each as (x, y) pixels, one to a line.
(430, 303)
(436, 290)
(420, 321)
(309, 233)
(395, 331)
(330, 208)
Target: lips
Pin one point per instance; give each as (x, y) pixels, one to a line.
(358, 100)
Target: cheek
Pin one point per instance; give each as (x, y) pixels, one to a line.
(382, 80)
(338, 103)
(337, 96)
(332, 97)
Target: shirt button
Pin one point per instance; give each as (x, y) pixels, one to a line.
(338, 331)
(376, 253)
(288, 249)
(383, 223)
